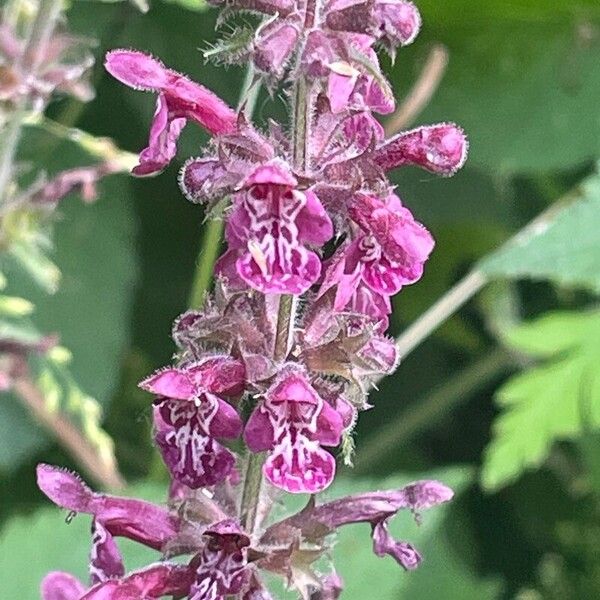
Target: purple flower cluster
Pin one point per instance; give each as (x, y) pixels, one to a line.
(225, 560)
(311, 214)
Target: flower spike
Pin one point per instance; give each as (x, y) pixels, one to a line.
(272, 369)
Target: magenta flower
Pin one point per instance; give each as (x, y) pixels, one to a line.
(393, 22)
(137, 520)
(58, 585)
(106, 561)
(179, 99)
(237, 155)
(387, 252)
(190, 413)
(268, 230)
(293, 422)
(441, 149)
(376, 508)
(223, 563)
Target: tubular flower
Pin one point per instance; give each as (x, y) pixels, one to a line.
(189, 413)
(388, 251)
(268, 230)
(293, 422)
(179, 99)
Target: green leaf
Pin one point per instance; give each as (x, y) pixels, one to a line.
(522, 79)
(564, 246)
(557, 400)
(33, 545)
(95, 251)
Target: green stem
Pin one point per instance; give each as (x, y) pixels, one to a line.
(300, 123)
(433, 407)
(213, 231)
(445, 307)
(285, 315)
(209, 251)
(252, 492)
(8, 148)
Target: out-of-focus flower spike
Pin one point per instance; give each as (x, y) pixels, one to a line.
(61, 586)
(441, 149)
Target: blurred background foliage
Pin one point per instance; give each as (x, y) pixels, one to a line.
(502, 401)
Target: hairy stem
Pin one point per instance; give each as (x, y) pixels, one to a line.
(284, 330)
(252, 492)
(67, 435)
(433, 407)
(213, 232)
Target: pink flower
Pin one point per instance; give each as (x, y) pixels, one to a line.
(293, 422)
(441, 149)
(377, 508)
(387, 252)
(137, 520)
(268, 230)
(393, 22)
(223, 563)
(58, 585)
(190, 413)
(179, 99)
(339, 60)
(153, 582)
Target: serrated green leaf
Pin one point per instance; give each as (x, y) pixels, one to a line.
(557, 400)
(564, 247)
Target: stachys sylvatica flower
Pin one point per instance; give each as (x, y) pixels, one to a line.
(216, 557)
(271, 371)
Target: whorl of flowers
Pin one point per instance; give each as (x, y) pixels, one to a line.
(310, 214)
